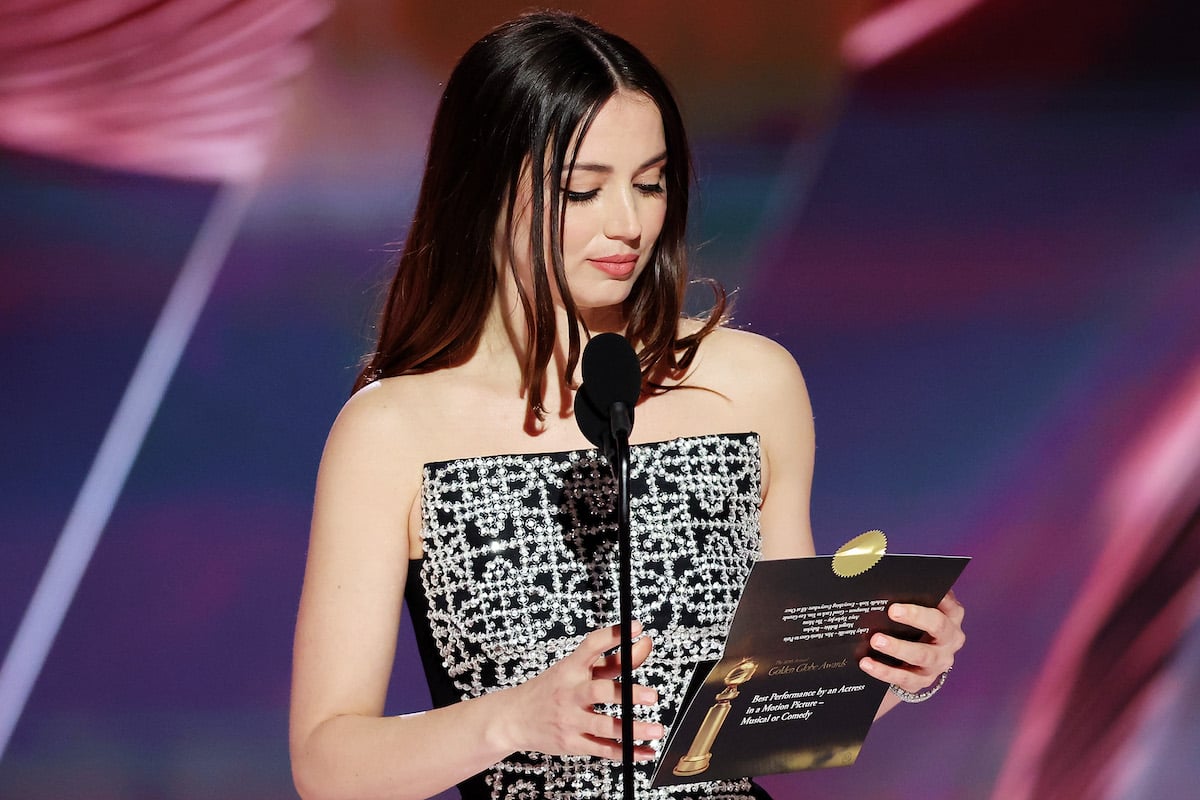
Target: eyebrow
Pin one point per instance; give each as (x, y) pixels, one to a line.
(606, 169)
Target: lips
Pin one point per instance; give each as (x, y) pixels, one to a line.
(618, 266)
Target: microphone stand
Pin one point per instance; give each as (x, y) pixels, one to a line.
(617, 451)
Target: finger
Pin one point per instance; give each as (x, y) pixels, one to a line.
(610, 665)
(941, 629)
(610, 749)
(608, 692)
(908, 680)
(606, 727)
(641, 649)
(594, 646)
(921, 655)
(930, 620)
(951, 607)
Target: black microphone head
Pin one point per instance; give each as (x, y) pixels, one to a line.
(592, 422)
(611, 371)
(611, 374)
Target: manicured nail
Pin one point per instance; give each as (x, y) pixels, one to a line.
(879, 642)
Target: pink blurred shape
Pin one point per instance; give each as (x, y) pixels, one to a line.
(897, 27)
(188, 88)
(1108, 667)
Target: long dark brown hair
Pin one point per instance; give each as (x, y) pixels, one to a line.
(517, 98)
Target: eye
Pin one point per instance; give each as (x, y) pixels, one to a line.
(580, 197)
(650, 188)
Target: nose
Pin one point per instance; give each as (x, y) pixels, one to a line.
(621, 220)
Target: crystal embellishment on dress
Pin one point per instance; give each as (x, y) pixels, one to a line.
(520, 564)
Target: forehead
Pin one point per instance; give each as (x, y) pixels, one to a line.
(626, 130)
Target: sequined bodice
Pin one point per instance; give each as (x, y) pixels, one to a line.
(520, 563)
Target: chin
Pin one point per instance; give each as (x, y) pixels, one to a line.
(601, 295)
(603, 316)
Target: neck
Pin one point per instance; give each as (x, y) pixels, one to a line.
(507, 340)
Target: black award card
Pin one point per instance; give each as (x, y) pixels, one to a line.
(788, 693)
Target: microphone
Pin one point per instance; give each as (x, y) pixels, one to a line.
(612, 383)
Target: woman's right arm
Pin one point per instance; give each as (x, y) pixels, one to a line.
(341, 744)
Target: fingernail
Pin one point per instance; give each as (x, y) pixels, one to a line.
(879, 642)
(897, 612)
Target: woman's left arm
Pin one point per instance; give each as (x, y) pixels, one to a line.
(782, 414)
(774, 400)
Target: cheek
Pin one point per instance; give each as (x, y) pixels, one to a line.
(578, 230)
(653, 225)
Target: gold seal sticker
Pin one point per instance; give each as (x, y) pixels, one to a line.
(859, 554)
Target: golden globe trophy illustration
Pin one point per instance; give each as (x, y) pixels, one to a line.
(699, 754)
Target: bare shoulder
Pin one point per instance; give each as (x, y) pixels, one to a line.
(738, 343)
(376, 418)
(748, 367)
(371, 411)
(378, 443)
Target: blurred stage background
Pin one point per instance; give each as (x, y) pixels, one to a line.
(975, 223)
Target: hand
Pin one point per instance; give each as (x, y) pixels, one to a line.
(926, 659)
(555, 710)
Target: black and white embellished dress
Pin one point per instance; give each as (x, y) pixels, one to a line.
(521, 563)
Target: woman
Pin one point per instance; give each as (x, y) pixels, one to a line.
(553, 207)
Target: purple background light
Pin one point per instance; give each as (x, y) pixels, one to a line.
(981, 243)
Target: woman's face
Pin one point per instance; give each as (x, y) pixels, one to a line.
(614, 204)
